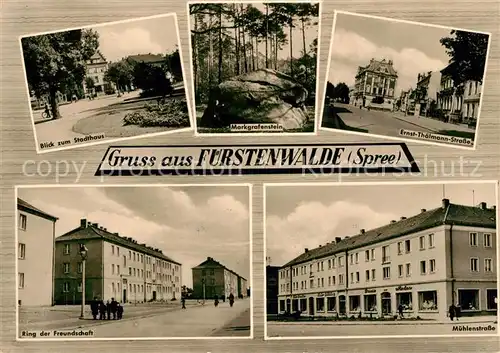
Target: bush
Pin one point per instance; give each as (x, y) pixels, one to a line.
(172, 113)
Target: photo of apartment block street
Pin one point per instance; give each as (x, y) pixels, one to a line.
(381, 259)
(159, 262)
(398, 79)
(105, 82)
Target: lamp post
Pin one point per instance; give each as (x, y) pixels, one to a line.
(83, 254)
(203, 283)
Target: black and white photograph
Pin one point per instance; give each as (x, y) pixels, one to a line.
(105, 82)
(254, 66)
(405, 80)
(153, 262)
(381, 260)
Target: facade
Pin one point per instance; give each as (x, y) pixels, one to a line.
(211, 278)
(428, 86)
(376, 83)
(450, 98)
(407, 102)
(272, 289)
(472, 97)
(116, 267)
(96, 68)
(35, 255)
(424, 263)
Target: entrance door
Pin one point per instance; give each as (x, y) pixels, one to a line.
(386, 303)
(342, 305)
(124, 295)
(288, 306)
(311, 306)
(154, 295)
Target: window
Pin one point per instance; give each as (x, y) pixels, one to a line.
(22, 221)
(367, 255)
(333, 263)
(487, 240)
(117, 269)
(352, 277)
(341, 261)
(431, 240)
(491, 299)
(112, 250)
(21, 251)
(427, 300)
(311, 284)
(303, 304)
(322, 268)
(367, 275)
(66, 287)
(282, 305)
(370, 302)
(407, 246)
(373, 254)
(79, 287)
(400, 270)
(354, 303)
(404, 299)
(319, 282)
(329, 264)
(468, 299)
(124, 261)
(487, 265)
(67, 248)
(322, 282)
(473, 239)
(333, 280)
(422, 243)
(408, 270)
(352, 259)
(80, 267)
(400, 248)
(20, 279)
(432, 265)
(117, 251)
(357, 257)
(130, 255)
(112, 269)
(474, 264)
(66, 267)
(320, 304)
(357, 277)
(423, 269)
(134, 256)
(142, 259)
(373, 275)
(387, 272)
(341, 279)
(385, 254)
(130, 271)
(331, 303)
(318, 267)
(329, 281)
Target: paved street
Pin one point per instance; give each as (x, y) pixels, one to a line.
(390, 123)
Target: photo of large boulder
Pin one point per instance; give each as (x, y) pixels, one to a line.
(261, 96)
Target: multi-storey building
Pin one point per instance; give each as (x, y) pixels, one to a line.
(406, 102)
(116, 267)
(211, 278)
(472, 97)
(35, 255)
(450, 96)
(375, 84)
(428, 86)
(96, 68)
(423, 263)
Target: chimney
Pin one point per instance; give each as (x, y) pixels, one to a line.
(423, 210)
(362, 231)
(96, 225)
(319, 246)
(83, 223)
(483, 205)
(117, 234)
(494, 207)
(446, 203)
(403, 218)
(393, 221)
(306, 250)
(346, 237)
(105, 229)
(338, 239)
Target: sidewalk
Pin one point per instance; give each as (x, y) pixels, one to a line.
(430, 123)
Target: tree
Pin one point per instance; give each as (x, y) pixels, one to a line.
(467, 51)
(173, 64)
(341, 92)
(90, 84)
(56, 61)
(330, 90)
(151, 79)
(119, 73)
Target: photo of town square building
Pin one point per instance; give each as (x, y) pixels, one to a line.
(424, 272)
(407, 80)
(135, 286)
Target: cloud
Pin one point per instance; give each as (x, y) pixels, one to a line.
(351, 50)
(131, 41)
(313, 223)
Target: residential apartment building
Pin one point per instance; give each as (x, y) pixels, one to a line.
(423, 263)
(35, 255)
(211, 278)
(116, 267)
(96, 68)
(472, 97)
(376, 84)
(428, 86)
(406, 101)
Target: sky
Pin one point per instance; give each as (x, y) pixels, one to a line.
(311, 33)
(308, 216)
(154, 35)
(413, 48)
(188, 224)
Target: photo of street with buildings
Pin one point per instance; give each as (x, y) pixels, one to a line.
(405, 80)
(407, 259)
(254, 66)
(153, 261)
(105, 82)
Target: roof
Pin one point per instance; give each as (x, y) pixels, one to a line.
(27, 207)
(453, 214)
(211, 263)
(92, 232)
(147, 58)
(97, 56)
(383, 66)
(448, 68)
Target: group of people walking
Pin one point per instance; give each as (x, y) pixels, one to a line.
(108, 310)
(231, 300)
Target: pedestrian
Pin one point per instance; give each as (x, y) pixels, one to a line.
(183, 302)
(216, 300)
(458, 311)
(400, 311)
(119, 311)
(231, 299)
(452, 312)
(94, 308)
(223, 298)
(113, 307)
(108, 310)
(102, 310)
(364, 101)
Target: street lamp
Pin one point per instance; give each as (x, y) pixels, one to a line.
(83, 254)
(203, 283)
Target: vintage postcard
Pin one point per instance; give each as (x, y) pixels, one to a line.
(133, 262)
(405, 80)
(254, 66)
(105, 82)
(381, 259)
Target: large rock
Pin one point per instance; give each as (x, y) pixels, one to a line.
(262, 96)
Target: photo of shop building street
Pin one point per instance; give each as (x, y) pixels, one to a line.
(381, 259)
(405, 80)
(105, 82)
(160, 262)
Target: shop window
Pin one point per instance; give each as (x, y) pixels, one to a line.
(354, 303)
(320, 304)
(295, 305)
(427, 300)
(303, 304)
(404, 299)
(491, 299)
(468, 299)
(342, 304)
(370, 302)
(331, 303)
(282, 305)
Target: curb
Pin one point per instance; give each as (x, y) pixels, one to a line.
(412, 123)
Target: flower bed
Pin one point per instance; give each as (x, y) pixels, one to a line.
(171, 113)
